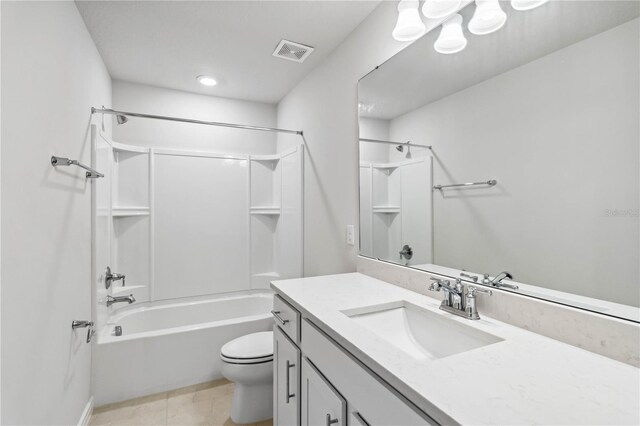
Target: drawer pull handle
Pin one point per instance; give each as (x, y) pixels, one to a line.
(289, 394)
(277, 316)
(360, 418)
(331, 421)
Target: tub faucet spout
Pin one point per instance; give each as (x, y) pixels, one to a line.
(129, 299)
(497, 280)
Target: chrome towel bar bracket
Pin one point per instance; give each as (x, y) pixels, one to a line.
(84, 324)
(61, 161)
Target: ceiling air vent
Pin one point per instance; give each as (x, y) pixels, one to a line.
(292, 51)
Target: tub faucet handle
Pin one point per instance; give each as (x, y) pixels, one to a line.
(110, 277)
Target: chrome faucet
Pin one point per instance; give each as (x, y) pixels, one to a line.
(406, 252)
(473, 278)
(129, 299)
(497, 280)
(456, 300)
(452, 294)
(110, 277)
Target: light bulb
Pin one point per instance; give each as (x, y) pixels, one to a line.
(487, 18)
(435, 9)
(451, 39)
(523, 5)
(409, 26)
(205, 80)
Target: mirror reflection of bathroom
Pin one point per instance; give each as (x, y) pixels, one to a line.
(395, 197)
(534, 147)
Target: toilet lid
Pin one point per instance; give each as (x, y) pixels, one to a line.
(249, 347)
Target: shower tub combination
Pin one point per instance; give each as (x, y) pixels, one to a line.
(167, 345)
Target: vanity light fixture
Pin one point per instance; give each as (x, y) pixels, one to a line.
(435, 9)
(487, 18)
(522, 5)
(451, 39)
(206, 80)
(409, 26)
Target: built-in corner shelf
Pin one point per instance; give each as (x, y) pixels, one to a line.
(268, 275)
(386, 209)
(266, 210)
(130, 211)
(266, 158)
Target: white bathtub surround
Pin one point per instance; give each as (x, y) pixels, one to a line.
(168, 345)
(523, 379)
(183, 223)
(611, 337)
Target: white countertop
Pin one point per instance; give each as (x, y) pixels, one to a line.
(525, 379)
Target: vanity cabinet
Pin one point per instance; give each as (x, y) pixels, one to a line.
(286, 380)
(317, 382)
(321, 402)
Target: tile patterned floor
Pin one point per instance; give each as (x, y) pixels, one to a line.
(203, 404)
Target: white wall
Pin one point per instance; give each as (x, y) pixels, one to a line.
(140, 98)
(51, 75)
(560, 135)
(372, 128)
(325, 106)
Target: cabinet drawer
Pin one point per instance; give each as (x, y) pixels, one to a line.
(375, 402)
(287, 318)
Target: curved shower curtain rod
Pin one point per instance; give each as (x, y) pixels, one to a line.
(396, 143)
(188, 120)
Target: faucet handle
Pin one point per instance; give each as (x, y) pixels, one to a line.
(471, 291)
(438, 284)
(473, 278)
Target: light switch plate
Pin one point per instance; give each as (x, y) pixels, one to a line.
(351, 235)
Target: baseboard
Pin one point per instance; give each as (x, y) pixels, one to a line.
(86, 414)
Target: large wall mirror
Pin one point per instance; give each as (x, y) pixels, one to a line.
(519, 153)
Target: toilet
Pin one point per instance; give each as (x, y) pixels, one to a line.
(248, 362)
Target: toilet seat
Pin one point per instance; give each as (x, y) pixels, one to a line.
(255, 348)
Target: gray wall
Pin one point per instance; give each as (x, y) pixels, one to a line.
(52, 75)
(560, 135)
(325, 106)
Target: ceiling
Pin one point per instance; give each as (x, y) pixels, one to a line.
(170, 43)
(419, 75)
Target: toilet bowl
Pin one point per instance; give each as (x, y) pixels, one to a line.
(248, 362)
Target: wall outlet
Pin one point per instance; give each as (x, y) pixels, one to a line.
(351, 235)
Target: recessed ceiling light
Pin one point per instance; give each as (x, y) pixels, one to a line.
(206, 80)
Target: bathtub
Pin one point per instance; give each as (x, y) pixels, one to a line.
(169, 345)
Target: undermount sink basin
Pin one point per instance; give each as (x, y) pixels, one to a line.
(419, 332)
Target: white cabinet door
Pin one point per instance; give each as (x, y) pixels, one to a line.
(322, 405)
(286, 380)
